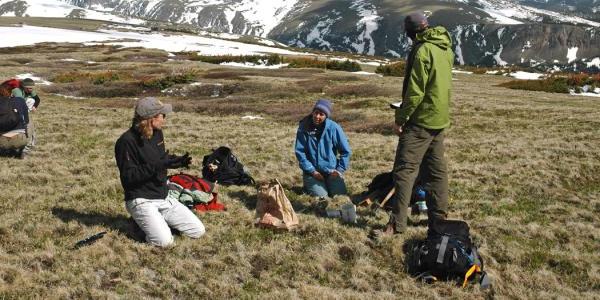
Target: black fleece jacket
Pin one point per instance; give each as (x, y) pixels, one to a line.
(141, 167)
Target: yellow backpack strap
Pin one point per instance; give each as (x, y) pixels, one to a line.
(473, 269)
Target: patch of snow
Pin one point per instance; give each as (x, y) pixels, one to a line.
(499, 60)
(249, 117)
(367, 73)
(167, 42)
(368, 23)
(461, 72)
(458, 51)
(318, 33)
(69, 97)
(526, 75)
(572, 54)
(58, 9)
(38, 80)
(69, 59)
(393, 53)
(375, 63)
(251, 65)
(594, 63)
(261, 15)
(588, 94)
(129, 27)
(507, 12)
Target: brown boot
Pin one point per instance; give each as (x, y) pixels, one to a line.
(388, 231)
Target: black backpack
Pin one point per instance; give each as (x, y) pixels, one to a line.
(223, 167)
(9, 116)
(382, 184)
(449, 254)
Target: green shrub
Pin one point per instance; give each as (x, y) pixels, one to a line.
(94, 78)
(345, 65)
(230, 75)
(168, 81)
(358, 90)
(556, 84)
(393, 69)
(552, 85)
(67, 77)
(101, 78)
(269, 60)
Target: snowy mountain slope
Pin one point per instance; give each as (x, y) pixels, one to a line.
(588, 9)
(57, 9)
(168, 42)
(251, 17)
(488, 32)
(507, 12)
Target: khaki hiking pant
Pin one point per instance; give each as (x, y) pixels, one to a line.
(422, 148)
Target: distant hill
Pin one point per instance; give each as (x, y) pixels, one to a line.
(547, 33)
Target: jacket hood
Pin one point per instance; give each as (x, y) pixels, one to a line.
(438, 36)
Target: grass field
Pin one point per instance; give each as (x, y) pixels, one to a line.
(524, 172)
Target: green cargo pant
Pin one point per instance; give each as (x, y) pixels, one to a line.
(424, 148)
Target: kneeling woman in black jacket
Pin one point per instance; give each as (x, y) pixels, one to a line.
(143, 163)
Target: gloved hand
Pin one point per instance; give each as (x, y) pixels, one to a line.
(184, 161)
(176, 162)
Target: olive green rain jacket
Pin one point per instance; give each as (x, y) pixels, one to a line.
(426, 90)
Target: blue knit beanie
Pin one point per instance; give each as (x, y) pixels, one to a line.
(323, 105)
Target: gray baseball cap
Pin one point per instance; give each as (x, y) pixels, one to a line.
(149, 107)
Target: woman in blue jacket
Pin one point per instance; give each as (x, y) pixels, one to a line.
(323, 152)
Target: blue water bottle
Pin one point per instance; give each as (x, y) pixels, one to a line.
(420, 203)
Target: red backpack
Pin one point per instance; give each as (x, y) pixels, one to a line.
(195, 183)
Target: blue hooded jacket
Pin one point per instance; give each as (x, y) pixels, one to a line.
(322, 154)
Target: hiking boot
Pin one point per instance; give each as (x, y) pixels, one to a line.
(387, 231)
(21, 154)
(320, 206)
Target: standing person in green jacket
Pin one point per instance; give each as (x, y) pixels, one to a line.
(420, 122)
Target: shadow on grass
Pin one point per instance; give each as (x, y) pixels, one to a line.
(249, 200)
(9, 153)
(119, 223)
(245, 197)
(410, 249)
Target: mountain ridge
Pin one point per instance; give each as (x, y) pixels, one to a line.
(486, 32)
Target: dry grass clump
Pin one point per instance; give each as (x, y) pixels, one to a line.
(557, 83)
(163, 82)
(313, 85)
(393, 69)
(552, 85)
(529, 188)
(229, 75)
(105, 90)
(318, 84)
(303, 62)
(359, 90)
(93, 77)
(22, 60)
(240, 73)
(273, 59)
